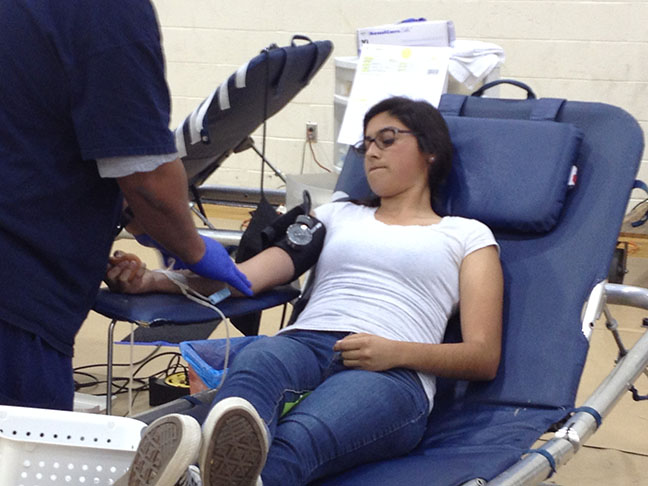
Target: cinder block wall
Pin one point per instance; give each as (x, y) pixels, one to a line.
(581, 50)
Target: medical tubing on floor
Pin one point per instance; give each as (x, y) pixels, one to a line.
(130, 370)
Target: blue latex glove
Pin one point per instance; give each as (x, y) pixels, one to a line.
(217, 265)
(145, 240)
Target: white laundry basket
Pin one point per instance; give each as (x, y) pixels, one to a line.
(47, 447)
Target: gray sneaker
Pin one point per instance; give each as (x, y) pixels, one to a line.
(168, 447)
(235, 444)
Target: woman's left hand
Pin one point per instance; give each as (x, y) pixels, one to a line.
(126, 273)
(367, 352)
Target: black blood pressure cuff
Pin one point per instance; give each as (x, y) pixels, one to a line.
(303, 241)
(277, 229)
(297, 233)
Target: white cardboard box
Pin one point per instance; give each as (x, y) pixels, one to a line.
(435, 33)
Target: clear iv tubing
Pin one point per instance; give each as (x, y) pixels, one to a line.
(181, 282)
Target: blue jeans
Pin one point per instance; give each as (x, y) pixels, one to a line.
(351, 416)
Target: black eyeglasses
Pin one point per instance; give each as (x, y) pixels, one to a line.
(385, 138)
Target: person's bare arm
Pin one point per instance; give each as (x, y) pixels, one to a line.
(265, 270)
(475, 358)
(268, 269)
(160, 204)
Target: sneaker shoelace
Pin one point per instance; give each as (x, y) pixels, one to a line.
(191, 477)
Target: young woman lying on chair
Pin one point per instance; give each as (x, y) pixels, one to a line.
(368, 344)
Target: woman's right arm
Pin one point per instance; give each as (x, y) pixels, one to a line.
(265, 270)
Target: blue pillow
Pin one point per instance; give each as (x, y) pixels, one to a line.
(510, 174)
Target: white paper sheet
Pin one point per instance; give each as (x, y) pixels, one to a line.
(384, 71)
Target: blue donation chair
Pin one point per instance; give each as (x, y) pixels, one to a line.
(220, 125)
(557, 235)
(552, 179)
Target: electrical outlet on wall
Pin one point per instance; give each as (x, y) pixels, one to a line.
(311, 131)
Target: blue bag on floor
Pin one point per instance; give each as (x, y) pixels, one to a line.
(207, 357)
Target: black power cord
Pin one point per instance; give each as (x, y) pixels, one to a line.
(173, 366)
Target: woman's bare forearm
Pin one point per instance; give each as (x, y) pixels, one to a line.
(268, 269)
(464, 361)
(468, 360)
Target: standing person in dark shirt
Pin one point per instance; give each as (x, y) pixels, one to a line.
(84, 114)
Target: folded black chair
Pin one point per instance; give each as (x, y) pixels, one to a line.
(222, 123)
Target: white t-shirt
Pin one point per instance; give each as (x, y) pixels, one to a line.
(398, 282)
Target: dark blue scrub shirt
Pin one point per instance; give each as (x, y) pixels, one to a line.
(79, 80)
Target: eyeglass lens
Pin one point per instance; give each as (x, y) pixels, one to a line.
(384, 138)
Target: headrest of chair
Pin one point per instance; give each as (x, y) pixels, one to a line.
(510, 174)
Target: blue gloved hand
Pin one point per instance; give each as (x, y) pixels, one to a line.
(169, 260)
(217, 265)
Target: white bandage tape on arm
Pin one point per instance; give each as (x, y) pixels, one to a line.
(114, 167)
